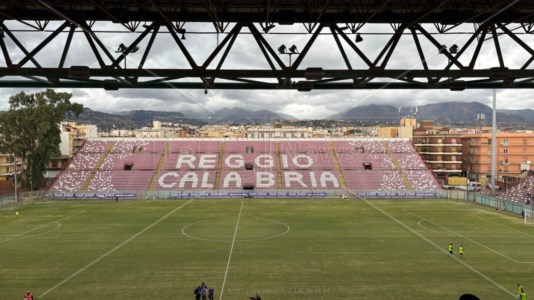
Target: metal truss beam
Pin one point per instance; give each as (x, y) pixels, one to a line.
(458, 74)
(309, 12)
(249, 86)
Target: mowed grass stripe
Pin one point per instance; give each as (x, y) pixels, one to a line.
(454, 233)
(441, 248)
(21, 235)
(113, 249)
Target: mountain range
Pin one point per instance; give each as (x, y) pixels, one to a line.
(236, 115)
(143, 118)
(460, 113)
(442, 113)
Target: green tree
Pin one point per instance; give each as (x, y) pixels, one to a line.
(30, 129)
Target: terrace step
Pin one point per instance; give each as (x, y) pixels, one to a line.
(97, 167)
(278, 165)
(338, 167)
(158, 167)
(396, 163)
(219, 167)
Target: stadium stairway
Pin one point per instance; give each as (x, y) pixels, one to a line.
(97, 167)
(219, 167)
(396, 163)
(338, 167)
(158, 167)
(278, 165)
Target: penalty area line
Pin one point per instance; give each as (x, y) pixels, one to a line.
(475, 242)
(113, 250)
(38, 227)
(440, 248)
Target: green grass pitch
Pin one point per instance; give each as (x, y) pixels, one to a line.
(282, 249)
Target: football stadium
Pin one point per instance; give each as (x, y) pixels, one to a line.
(324, 149)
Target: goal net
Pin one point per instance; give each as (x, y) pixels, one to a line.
(529, 216)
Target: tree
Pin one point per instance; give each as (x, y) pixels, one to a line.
(30, 129)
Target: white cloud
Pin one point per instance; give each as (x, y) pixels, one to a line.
(307, 111)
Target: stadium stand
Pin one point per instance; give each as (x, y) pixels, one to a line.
(521, 192)
(189, 164)
(84, 161)
(70, 181)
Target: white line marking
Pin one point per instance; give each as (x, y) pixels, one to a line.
(21, 234)
(231, 250)
(113, 250)
(288, 228)
(440, 249)
(428, 229)
(507, 227)
(475, 242)
(58, 225)
(41, 226)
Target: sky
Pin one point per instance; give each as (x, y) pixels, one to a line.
(201, 39)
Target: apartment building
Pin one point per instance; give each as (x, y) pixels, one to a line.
(7, 171)
(514, 154)
(73, 136)
(278, 131)
(404, 130)
(440, 149)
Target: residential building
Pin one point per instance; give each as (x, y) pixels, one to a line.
(7, 168)
(404, 130)
(440, 149)
(278, 131)
(514, 155)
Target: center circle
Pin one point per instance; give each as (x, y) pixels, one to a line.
(222, 230)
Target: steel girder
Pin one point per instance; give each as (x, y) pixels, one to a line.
(458, 74)
(275, 11)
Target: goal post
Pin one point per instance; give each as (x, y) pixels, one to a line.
(528, 216)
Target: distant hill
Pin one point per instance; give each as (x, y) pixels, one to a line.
(370, 114)
(130, 119)
(143, 118)
(528, 114)
(442, 113)
(238, 115)
(287, 117)
(103, 121)
(462, 113)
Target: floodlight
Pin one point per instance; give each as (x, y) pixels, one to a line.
(182, 31)
(121, 48)
(269, 27)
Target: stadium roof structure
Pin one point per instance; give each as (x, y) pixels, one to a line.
(493, 22)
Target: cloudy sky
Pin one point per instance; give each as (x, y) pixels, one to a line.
(245, 54)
